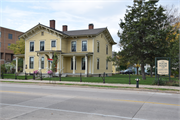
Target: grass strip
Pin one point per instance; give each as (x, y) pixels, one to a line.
(96, 86)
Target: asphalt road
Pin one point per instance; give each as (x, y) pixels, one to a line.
(53, 102)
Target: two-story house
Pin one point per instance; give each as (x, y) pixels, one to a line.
(78, 51)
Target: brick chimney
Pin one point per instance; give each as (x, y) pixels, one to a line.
(64, 28)
(91, 26)
(52, 24)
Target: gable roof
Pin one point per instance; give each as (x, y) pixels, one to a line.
(86, 32)
(73, 33)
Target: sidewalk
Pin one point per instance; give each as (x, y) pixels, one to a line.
(101, 84)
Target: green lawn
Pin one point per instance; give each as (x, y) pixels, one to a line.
(123, 79)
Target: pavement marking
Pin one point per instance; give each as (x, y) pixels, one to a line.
(147, 102)
(70, 111)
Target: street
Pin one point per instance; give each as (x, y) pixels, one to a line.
(56, 102)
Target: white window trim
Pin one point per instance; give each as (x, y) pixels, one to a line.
(40, 44)
(30, 46)
(81, 63)
(71, 45)
(75, 64)
(51, 45)
(97, 47)
(33, 62)
(86, 45)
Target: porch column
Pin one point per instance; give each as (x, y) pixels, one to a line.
(50, 62)
(16, 64)
(58, 64)
(62, 64)
(90, 64)
(74, 64)
(86, 64)
(39, 62)
(23, 64)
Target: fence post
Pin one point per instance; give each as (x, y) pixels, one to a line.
(41, 75)
(80, 78)
(2, 75)
(25, 76)
(33, 76)
(129, 79)
(60, 77)
(104, 77)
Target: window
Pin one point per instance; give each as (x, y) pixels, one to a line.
(106, 64)
(106, 49)
(31, 62)
(53, 43)
(84, 45)
(83, 63)
(0, 44)
(42, 33)
(10, 36)
(97, 46)
(73, 46)
(42, 63)
(98, 63)
(0, 34)
(31, 46)
(9, 44)
(42, 46)
(72, 64)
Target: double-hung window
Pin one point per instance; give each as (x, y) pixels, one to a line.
(98, 63)
(73, 46)
(98, 46)
(42, 63)
(106, 49)
(53, 43)
(42, 46)
(10, 36)
(106, 64)
(31, 46)
(72, 64)
(31, 62)
(83, 63)
(9, 44)
(84, 45)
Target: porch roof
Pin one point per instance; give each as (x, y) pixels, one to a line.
(49, 51)
(78, 54)
(19, 55)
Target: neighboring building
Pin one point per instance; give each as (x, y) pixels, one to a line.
(78, 51)
(7, 37)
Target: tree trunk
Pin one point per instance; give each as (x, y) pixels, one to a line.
(137, 70)
(142, 72)
(151, 71)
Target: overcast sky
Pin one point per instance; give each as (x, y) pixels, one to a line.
(22, 15)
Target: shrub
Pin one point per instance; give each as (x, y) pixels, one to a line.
(161, 82)
(36, 72)
(50, 72)
(3, 69)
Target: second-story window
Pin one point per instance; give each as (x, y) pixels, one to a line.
(73, 46)
(106, 49)
(53, 43)
(31, 46)
(10, 36)
(42, 46)
(84, 45)
(97, 46)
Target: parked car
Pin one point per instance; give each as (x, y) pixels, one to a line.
(147, 73)
(128, 71)
(121, 72)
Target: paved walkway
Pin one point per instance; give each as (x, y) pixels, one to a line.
(89, 83)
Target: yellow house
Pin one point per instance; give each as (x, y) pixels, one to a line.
(78, 51)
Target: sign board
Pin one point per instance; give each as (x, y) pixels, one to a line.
(163, 67)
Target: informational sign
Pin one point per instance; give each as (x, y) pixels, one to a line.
(163, 67)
